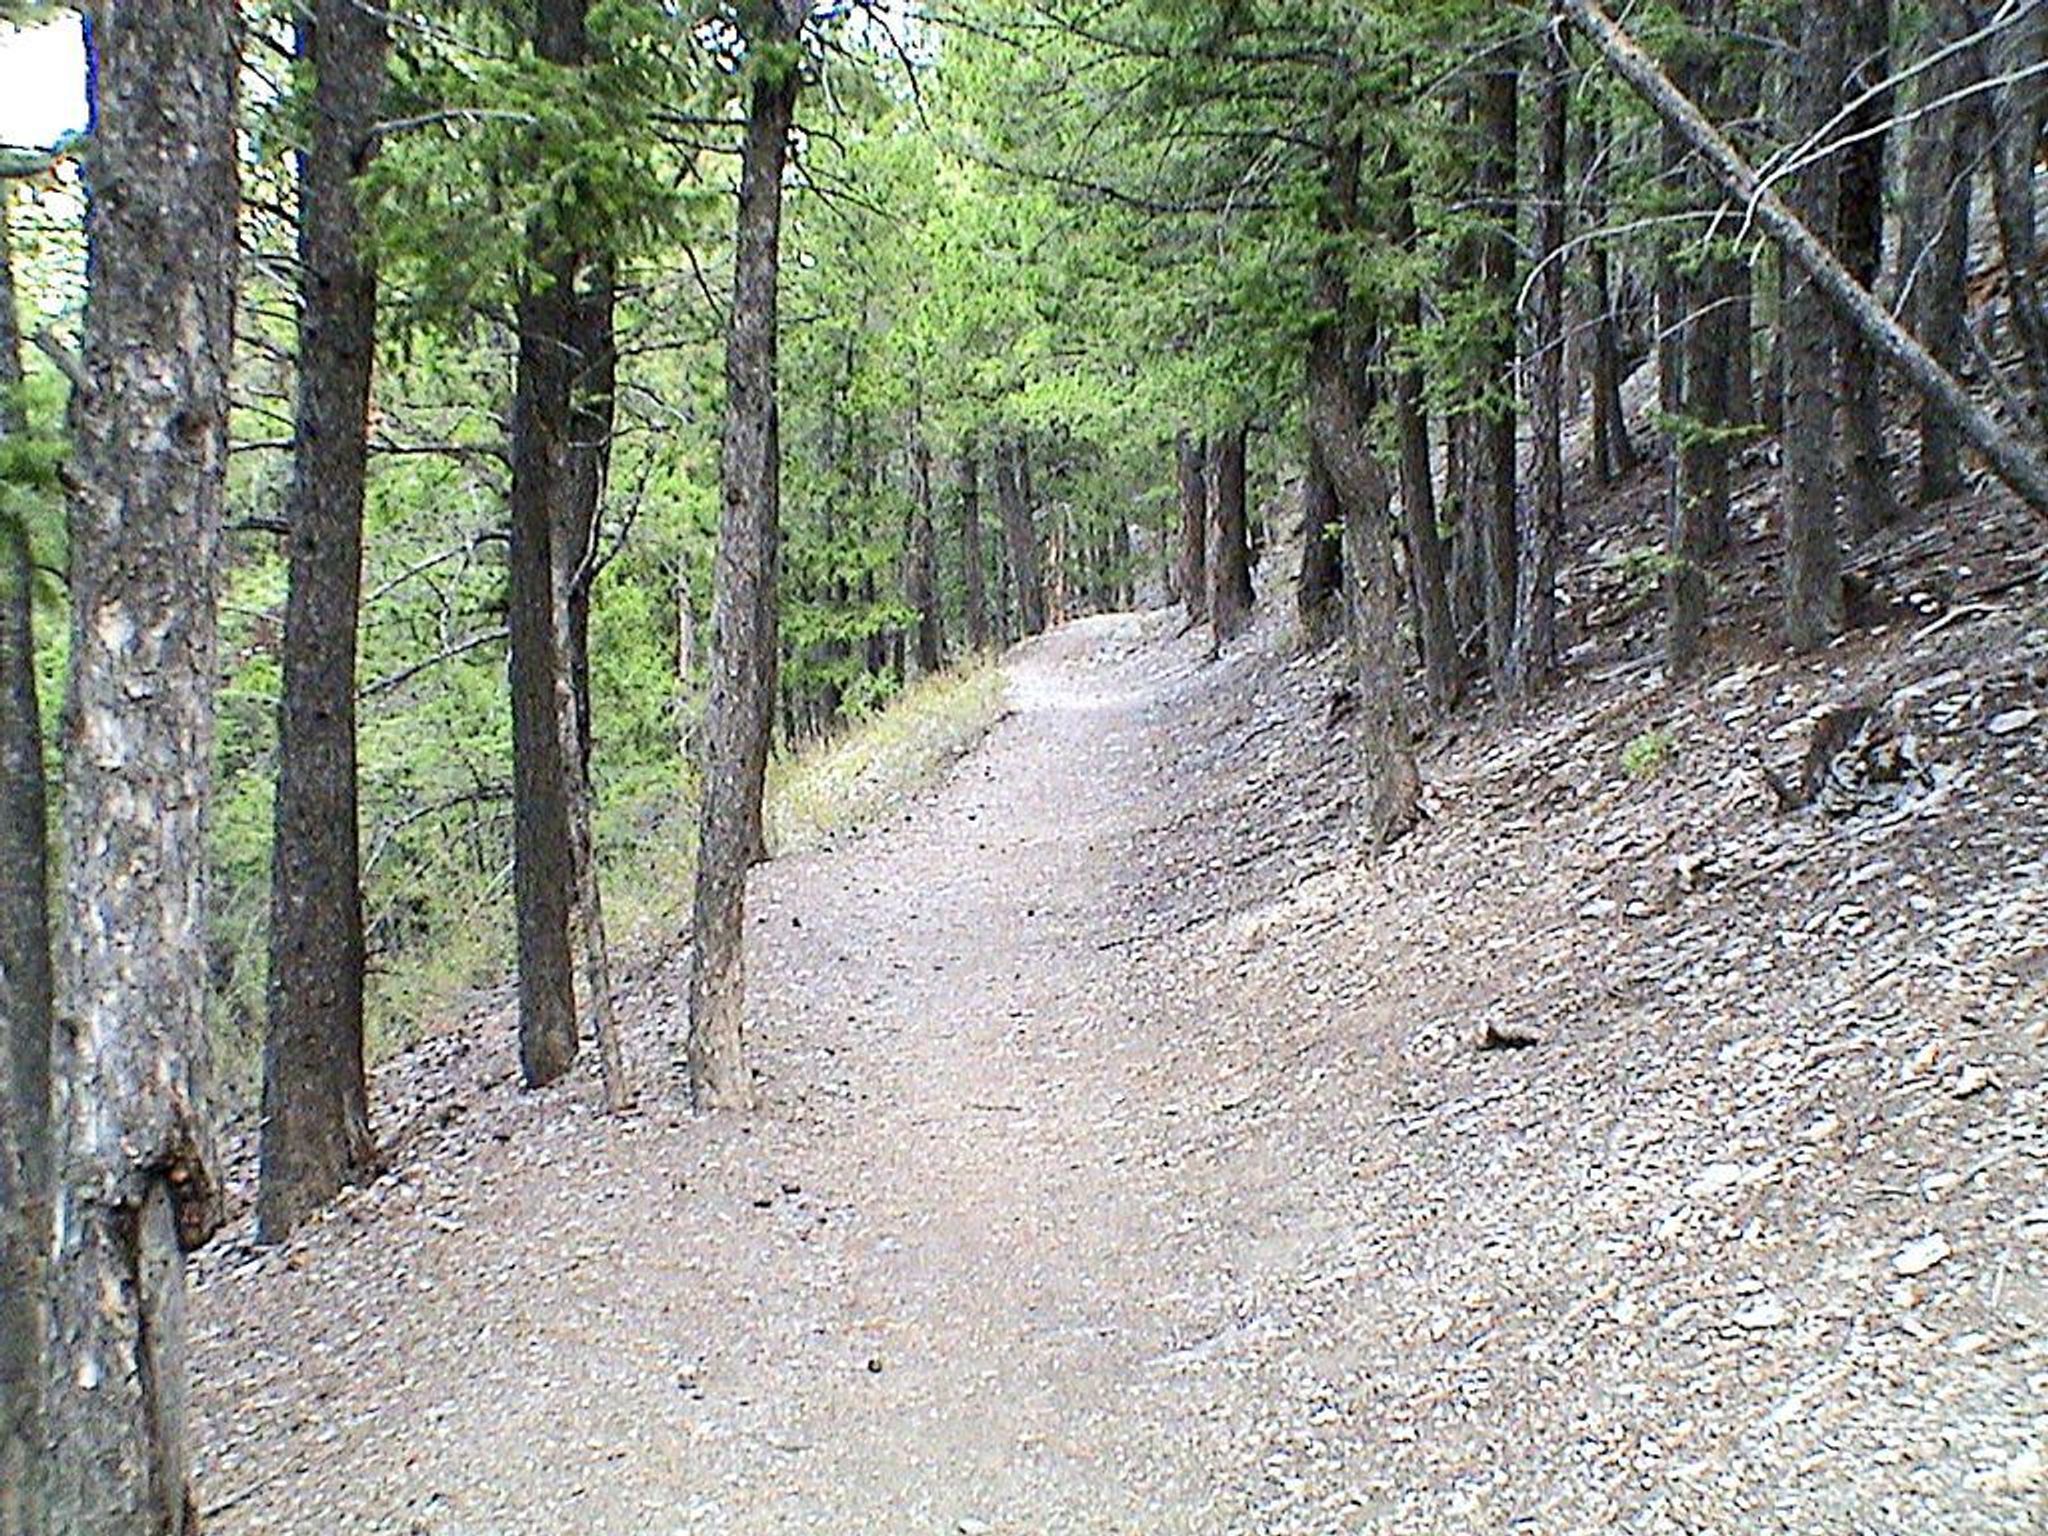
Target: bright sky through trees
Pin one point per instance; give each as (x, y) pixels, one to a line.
(42, 82)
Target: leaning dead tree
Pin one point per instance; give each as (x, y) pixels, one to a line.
(2011, 458)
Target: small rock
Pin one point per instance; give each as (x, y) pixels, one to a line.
(1921, 1255)
(1971, 1080)
(1508, 1037)
(1714, 1178)
(2011, 722)
(1761, 1315)
(969, 1526)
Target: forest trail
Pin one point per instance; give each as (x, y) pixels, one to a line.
(942, 1283)
(1128, 1164)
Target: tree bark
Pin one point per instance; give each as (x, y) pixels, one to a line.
(1428, 582)
(1020, 536)
(1118, 576)
(1192, 457)
(1697, 513)
(1230, 555)
(1934, 260)
(1614, 452)
(1321, 585)
(316, 1115)
(593, 411)
(593, 361)
(1867, 486)
(26, 1016)
(1497, 471)
(2012, 458)
(922, 564)
(543, 820)
(2016, 129)
(1532, 657)
(968, 475)
(743, 604)
(137, 1174)
(1813, 552)
(1337, 422)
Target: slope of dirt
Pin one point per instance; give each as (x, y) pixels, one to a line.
(1130, 1165)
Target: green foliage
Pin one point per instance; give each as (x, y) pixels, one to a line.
(1644, 569)
(1649, 754)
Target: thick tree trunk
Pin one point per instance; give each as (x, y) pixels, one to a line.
(1230, 555)
(1321, 585)
(26, 1018)
(1532, 657)
(922, 565)
(2015, 459)
(137, 1176)
(1859, 240)
(543, 824)
(1020, 536)
(316, 1115)
(973, 580)
(743, 605)
(1192, 458)
(543, 820)
(1337, 423)
(1497, 478)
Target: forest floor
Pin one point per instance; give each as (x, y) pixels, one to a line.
(1132, 1162)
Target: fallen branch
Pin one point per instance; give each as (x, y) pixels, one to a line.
(2011, 459)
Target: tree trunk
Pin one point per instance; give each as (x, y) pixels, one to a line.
(1193, 460)
(593, 411)
(922, 566)
(2016, 129)
(1321, 586)
(1532, 658)
(1230, 555)
(316, 1115)
(743, 604)
(1497, 477)
(1859, 240)
(137, 1175)
(1337, 423)
(1429, 593)
(1614, 452)
(26, 1018)
(593, 360)
(1118, 576)
(1935, 245)
(1697, 514)
(2012, 456)
(974, 582)
(543, 819)
(1813, 552)
(1013, 501)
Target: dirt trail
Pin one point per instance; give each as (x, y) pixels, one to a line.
(938, 1285)
(1128, 1165)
